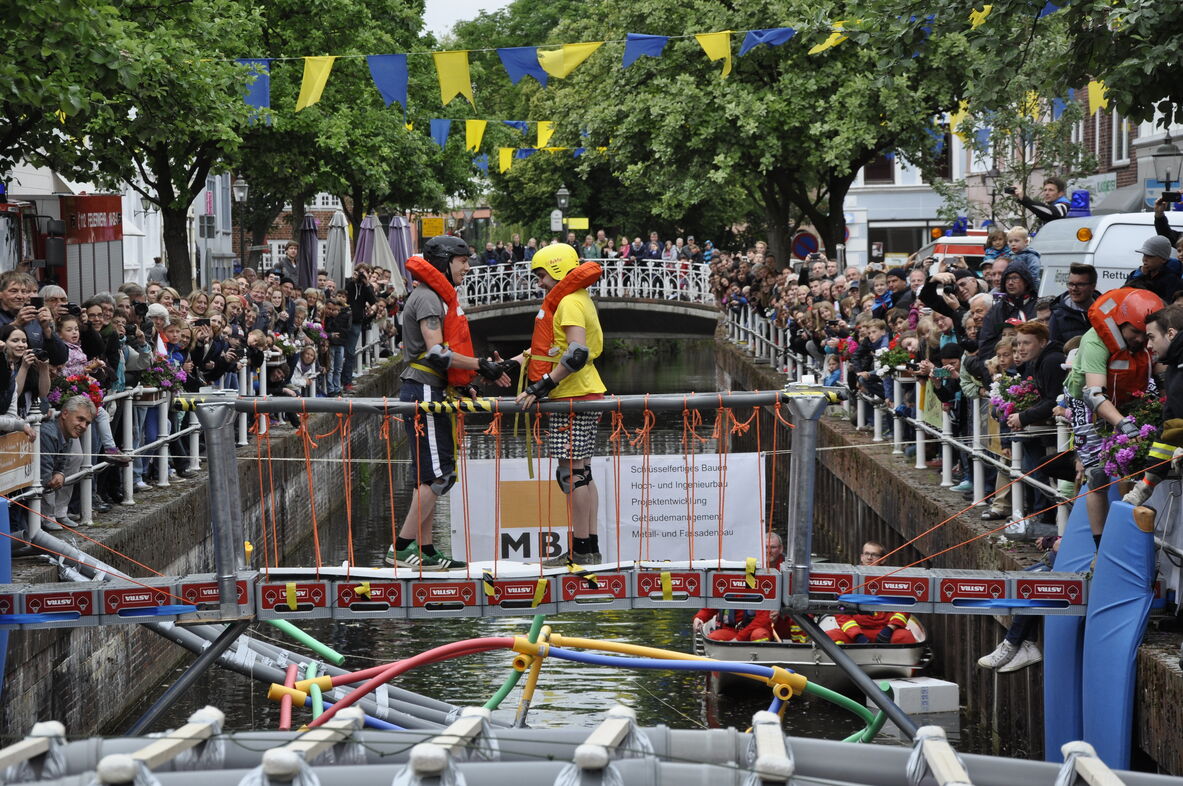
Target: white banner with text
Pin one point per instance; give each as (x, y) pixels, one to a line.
(526, 520)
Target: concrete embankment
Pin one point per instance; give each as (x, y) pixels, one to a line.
(863, 492)
(87, 677)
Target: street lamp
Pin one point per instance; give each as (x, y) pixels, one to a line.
(563, 197)
(241, 189)
(1167, 160)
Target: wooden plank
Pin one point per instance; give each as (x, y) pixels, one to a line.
(24, 750)
(164, 749)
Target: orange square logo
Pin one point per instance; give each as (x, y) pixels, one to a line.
(526, 504)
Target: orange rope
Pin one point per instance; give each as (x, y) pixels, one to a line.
(721, 442)
(495, 430)
(1007, 524)
(614, 442)
(462, 449)
(772, 487)
(306, 440)
(384, 432)
(970, 506)
(271, 497)
(345, 427)
(262, 492)
(419, 431)
(763, 551)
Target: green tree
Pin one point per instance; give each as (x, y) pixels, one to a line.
(65, 57)
(181, 121)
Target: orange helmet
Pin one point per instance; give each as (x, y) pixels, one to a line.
(1125, 306)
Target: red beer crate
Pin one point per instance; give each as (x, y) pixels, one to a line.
(443, 598)
(687, 588)
(829, 580)
(901, 589)
(274, 599)
(972, 591)
(1056, 593)
(514, 597)
(729, 589)
(363, 598)
(201, 590)
(68, 605)
(128, 602)
(592, 589)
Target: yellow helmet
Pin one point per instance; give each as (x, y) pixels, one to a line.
(557, 260)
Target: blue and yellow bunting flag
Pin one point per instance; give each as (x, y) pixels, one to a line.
(1097, 98)
(504, 158)
(717, 47)
(546, 129)
(521, 61)
(474, 132)
(454, 77)
(560, 62)
(440, 128)
(389, 73)
(774, 36)
(835, 38)
(978, 18)
(639, 45)
(258, 92)
(316, 76)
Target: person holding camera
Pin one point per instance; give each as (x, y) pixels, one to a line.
(360, 296)
(948, 293)
(1162, 224)
(1055, 205)
(18, 306)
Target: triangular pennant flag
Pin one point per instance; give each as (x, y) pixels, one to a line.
(440, 128)
(1050, 8)
(774, 36)
(455, 80)
(482, 162)
(409, 126)
(316, 75)
(982, 139)
(718, 47)
(474, 132)
(639, 45)
(520, 125)
(520, 61)
(978, 18)
(577, 152)
(258, 93)
(1058, 107)
(1031, 104)
(390, 77)
(1097, 99)
(938, 139)
(958, 117)
(504, 158)
(561, 62)
(557, 149)
(832, 41)
(524, 152)
(546, 129)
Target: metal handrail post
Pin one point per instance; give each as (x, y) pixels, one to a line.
(163, 429)
(194, 443)
(1016, 471)
(127, 428)
(946, 448)
(861, 417)
(877, 423)
(33, 520)
(979, 464)
(244, 370)
(920, 436)
(86, 487)
(897, 424)
(1062, 438)
(263, 421)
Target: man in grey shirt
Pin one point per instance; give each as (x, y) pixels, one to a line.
(438, 355)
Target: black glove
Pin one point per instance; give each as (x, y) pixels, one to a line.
(512, 368)
(489, 370)
(861, 639)
(1128, 427)
(542, 388)
(884, 636)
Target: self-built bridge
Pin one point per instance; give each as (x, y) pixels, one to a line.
(650, 298)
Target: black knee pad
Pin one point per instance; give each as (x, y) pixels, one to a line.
(1096, 476)
(563, 478)
(583, 477)
(441, 486)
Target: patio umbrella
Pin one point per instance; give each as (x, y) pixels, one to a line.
(364, 251)
(308, 258)
(337, 258)
(384, 258)
(400, 243)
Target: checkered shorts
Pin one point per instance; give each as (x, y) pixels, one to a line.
(572, 435)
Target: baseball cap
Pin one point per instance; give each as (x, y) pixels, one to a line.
(1157, 246)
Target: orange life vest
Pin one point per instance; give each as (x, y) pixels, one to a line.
(1128, 372)
(456, 334)
(544, 354)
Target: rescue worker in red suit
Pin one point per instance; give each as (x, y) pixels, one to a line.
(878, 628)
(740, 625)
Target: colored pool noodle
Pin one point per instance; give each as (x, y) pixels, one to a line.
(315, 697)
(1119, 606)
(285, 704)
(323, 650)
(1063, 641)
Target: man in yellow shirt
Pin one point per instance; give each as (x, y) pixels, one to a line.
(567, 340)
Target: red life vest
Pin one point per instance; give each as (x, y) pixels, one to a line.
(456, 334)
(1128, 372)
(543, 351)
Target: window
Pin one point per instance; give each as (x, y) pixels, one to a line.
(1096, 146)
(1121, 139)
(1078, 132)
(944, 163)
(326, 202)
(881, 171)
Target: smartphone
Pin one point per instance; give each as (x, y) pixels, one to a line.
(201, 322)
(940, 373)
(36, 302)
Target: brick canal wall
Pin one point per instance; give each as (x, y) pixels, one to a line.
(863, 492)
(87, 677)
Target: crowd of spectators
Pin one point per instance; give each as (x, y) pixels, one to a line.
(65, 360)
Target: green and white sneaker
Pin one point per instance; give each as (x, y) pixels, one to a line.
(412, 557)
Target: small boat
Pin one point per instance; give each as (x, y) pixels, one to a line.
(877, 660)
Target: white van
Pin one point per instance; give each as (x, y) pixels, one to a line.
(1109, 243)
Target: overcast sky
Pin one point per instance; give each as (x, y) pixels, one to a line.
(442, 14)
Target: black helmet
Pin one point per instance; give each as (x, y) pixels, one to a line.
(439, 251)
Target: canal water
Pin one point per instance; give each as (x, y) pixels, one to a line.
(568, 693)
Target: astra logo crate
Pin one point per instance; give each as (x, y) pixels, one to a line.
(359, 598)
(204, 594)
(830, 581)
(77, 606)
(443, 597)
(1052, 593)
(655, 589)
(602, 590)
(307, 599)
(731, 589)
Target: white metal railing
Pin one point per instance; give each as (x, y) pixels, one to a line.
(156, 454)
(645, 279)
(768, 342)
